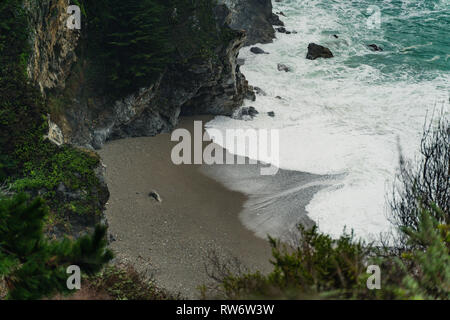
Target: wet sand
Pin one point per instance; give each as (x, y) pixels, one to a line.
(170, 240)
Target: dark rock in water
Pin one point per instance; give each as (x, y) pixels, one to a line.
(281, 30)
(271, 114)
(275, 20)
(281, 13)
(153, 194)
(283, 67)
(374, 47)
(336, 36)
(279, 98)
(250, 95)
(245, 113)
(317, 51)
(252, 111)
(259, 91)
(240, 61)
(257, 50)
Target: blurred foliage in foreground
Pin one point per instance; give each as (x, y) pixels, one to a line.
(33, 267)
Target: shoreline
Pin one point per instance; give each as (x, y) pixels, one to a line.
(229, 209)
(170, 240)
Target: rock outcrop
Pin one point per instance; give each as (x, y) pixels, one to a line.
(317, 51)
(283, 67)
(53, 45)
(212, 85)
(245, 113)
(86, 117)
(255, 17)
(257, 50)
(375, 47)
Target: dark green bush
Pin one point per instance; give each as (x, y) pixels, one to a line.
(123, 282)
(34, 267)
(314, 267)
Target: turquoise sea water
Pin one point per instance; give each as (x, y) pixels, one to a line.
(349, 115)
(414, 33)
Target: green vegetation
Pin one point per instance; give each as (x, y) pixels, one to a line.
(123, 282)
(426, 182)
(319, 267)
(34, 267)
(29, 162)
(21, 108)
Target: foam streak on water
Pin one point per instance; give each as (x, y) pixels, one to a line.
(345, 115)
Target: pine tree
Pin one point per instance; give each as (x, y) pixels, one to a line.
(34, 267)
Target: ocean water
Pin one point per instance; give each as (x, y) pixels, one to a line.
(347, 116)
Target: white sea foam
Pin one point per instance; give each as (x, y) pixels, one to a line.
(336, 116)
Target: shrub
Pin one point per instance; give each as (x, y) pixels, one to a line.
(425, 184)
(34, 267)
(123, 282)
(317, 266)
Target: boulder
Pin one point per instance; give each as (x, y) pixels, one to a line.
(260, 91)
(257, 50)
(317, 51)
(245, 113)
(283, 67)
(153, 194)
(374, 47)
(256, 17)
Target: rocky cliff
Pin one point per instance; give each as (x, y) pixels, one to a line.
(80, 116)
(83, 115)
(53, 44)
(255, 17)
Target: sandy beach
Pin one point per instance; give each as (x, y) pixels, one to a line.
(203, 208)
(170, 240)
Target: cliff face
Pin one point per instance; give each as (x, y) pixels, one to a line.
(255, 17)
(53, 44)
(80, 116)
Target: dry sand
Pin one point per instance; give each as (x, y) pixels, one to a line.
(170, 240)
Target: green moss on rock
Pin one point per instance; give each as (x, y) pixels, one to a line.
(64, 176)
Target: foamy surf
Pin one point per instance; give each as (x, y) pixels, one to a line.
(346, 115)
